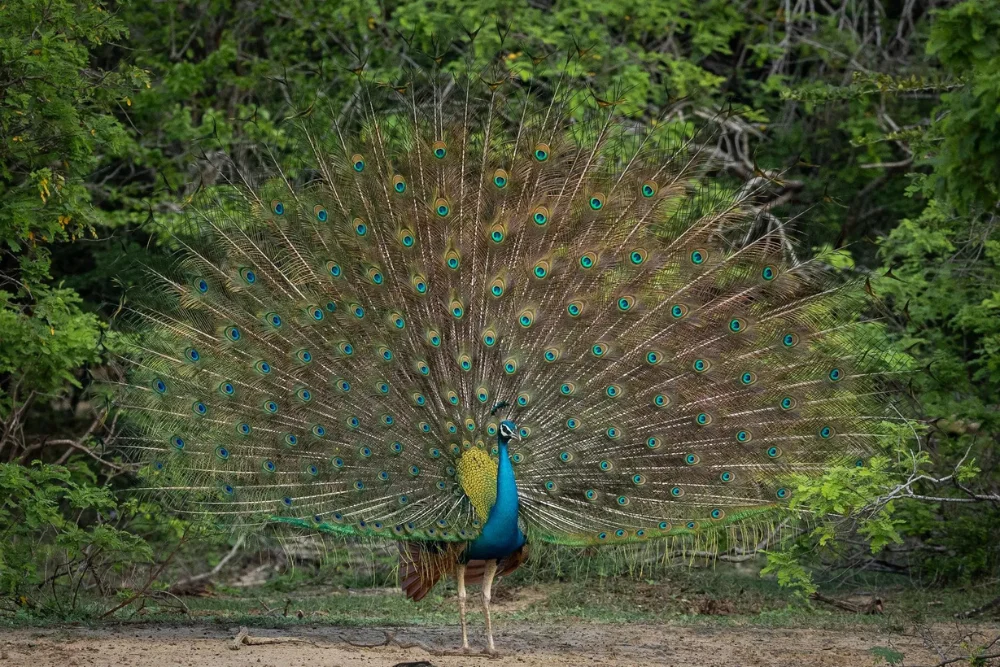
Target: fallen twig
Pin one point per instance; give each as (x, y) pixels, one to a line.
(244, 638)
(872, 608)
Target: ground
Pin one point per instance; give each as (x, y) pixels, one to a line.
(524, 645)
(698, 618)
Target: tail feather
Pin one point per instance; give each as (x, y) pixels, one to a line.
(423, 564)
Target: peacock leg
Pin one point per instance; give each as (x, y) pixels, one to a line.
(460, 578)
(488, 574)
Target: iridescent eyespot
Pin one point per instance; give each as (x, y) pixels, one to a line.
(773, 452)
(304, 395)
(385, 353)
(291, 440)
(228, 489)
(456, 308)
(574, 308)
(334, 269)
(835, 375)
(540, 216)
(605, 465)
(826, 432)
(358, 162)
(599, 349)
(441, 207)
(596, 201)
(523, 399)
(227, 388)
(737, 324)
(262, 367)
(541, 152)
(677, 492)
(661, 400)
(452, 259)
(482, 395)
(703, 419)
(491, 429)
(517, 457)
(399, 184)
(434, 453)
(356, 310)
(331, 306)
(465, 362)
(396, 448)
(588, 260)
(699, 256)
(691, 459)
(489, 338)
(248, 276)
(648, 189)
(337, 463)
(664, 525)
(384, 476)
(422, 367)
(319, 431)
(621, 500)
(790, 340)
(317, 313)
(654, 442)
(541, 269)
(320, 213)
(342, 385)
(405, 237)
(678, 310)
(497, 287)
(626, 303)
(440, 149)
(159, 386)
(701, 365)
(768, 272)
(572, 423)
(637, 256)
(748, 378)
(312, 470)
(744, 436)
(277, 207)
(359, 486)
(271, 406)
(273, 319)
(419, 283)
(717, 514)
(424, 427)
(418, 399)
(243, 428)
(453, 399)
(727, 477)
(510, 366)
(550, 485)
(787, 403)
(613, 391)
(653, 357)
(345, 348)
(177, 442)
(268, 466)
(498, 233)
(565, 457)
(613, 432)
(567, 388)
(552, 354)
(353, 422)
(782, 493)
(500, 178)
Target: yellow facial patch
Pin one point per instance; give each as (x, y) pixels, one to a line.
(477, 474)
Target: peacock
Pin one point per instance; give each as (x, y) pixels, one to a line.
(484, 310)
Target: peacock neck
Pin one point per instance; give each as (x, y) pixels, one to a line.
(506, 484)
(501, 535)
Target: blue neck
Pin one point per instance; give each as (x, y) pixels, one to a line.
(500, 535)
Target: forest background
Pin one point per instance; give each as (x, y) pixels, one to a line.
(872, 125)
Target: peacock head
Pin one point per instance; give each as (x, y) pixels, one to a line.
(508, 431)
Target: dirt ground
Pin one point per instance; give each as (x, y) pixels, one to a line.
(524, 645)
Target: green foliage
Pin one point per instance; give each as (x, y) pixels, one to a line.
(55, 534)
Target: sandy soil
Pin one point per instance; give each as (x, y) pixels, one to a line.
(522, 644)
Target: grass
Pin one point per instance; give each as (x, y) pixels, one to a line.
(351, 586)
